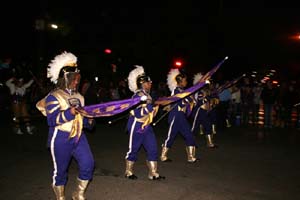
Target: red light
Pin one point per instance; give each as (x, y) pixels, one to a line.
(295, 37)
(107, 51)
(178, 63)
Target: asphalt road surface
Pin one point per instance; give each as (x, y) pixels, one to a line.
(246, 166)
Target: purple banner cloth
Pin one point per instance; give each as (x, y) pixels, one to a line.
(167, 100)
(108, 109)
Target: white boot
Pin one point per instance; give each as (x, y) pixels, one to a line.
(29, 129)
(18, 131)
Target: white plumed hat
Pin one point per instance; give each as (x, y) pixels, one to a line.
(60, 61)
(132, 77)
(171, 79)
(197, 78)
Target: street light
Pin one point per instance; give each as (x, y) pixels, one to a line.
(54, 26)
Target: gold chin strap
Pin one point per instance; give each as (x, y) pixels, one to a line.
(77, 126)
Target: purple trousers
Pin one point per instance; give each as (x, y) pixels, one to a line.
(139, 137)
(178, 123)
(63, 149)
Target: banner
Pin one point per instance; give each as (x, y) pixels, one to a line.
(108, 109)
(167, 100)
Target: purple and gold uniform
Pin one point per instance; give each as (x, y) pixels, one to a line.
(214, 103)
(202, 116)
(139, 125)
(178, 123)
(140, 131)
(177, 119)
(66, 138)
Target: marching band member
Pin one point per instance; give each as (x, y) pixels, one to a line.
(177, 118)
(139, 125)
(214, 103)
(201, 117)
(18, 90)
(66, 138)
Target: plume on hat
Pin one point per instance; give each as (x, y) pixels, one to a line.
(132, 77)
(171, 79)
(59, 61)
(197, 78)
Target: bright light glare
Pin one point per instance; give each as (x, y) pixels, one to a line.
(178, 63)
(108, 51)
(54, 26)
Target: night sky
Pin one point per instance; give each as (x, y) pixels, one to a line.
(254, 34)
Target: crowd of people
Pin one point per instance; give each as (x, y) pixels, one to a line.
(213, 107)
(240, 104)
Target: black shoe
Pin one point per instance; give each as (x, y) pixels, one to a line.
(168, 160)
(132, 177)
(213, 146)
(197, 160)
(158, 178)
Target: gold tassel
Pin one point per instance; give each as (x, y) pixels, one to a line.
(76, 126)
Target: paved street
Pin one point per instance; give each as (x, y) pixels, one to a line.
(244, 167)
